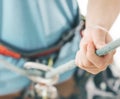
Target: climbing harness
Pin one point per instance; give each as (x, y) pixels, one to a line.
(46, 76)
(9, 50)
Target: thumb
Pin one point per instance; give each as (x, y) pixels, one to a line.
(99, 38)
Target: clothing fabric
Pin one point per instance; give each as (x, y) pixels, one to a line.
(34, 24)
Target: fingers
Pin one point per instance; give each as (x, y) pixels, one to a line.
(82, 57)
(84, 63)
(87, 59)
(86, 66)
(100, 62)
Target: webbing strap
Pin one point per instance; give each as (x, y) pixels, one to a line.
(5, 51)
(9, 50)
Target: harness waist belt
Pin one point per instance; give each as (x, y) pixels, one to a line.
(7, 50)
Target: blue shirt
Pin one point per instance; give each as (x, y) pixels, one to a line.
(36, 23)
(30, 25)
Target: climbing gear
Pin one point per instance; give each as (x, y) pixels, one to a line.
(5, 51)
(103, 86)
(14, 52)
(9, 50)
(38, 67)
(48, 76)
(44, 87)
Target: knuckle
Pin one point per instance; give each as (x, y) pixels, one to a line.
(79, 64)
(101, 65)
(86, 64)
(82, 67)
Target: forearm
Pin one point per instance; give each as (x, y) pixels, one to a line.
(102, 12)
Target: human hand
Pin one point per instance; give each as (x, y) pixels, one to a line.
(86, 58)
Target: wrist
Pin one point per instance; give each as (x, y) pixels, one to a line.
(97, 27)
